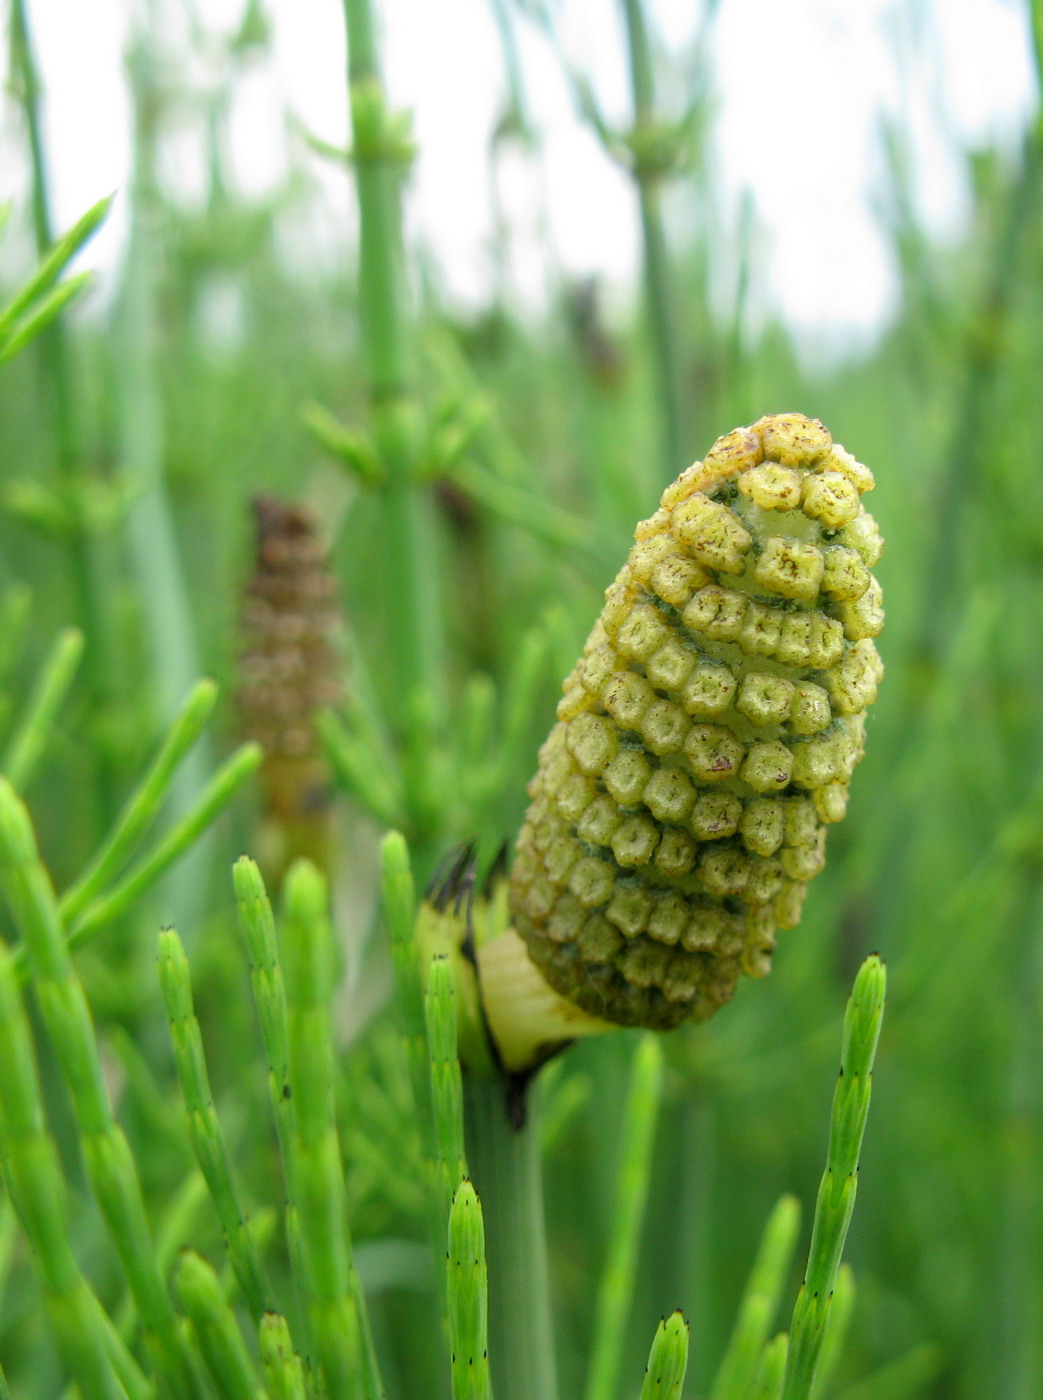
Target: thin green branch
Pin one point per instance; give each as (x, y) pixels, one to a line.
(204, 1129)
(257, 927)
(317, 1177)
(29, 740)
(282, 1367)
(659, 289)
(107, 1157)
(760, 1301)
(840, 1311)
(768, 1385)
(33, 1176)
(381, 152)
(836, 1197)
(144, 804)
(468, 1297)
(399, 900)
(180, 839)
(667, 1361)
(53, 263)
(214, 1330)
(446, 1087)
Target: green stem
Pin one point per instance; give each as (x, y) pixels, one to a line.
(88, 566)
(505, 1165)
(381, 153)
(666, 347)
(984, 361)
(204, 1129)
(155, 551)
(813, 1311)
(616, 1287)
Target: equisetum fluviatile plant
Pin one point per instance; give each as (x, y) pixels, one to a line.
(705, 741)
(754, 573)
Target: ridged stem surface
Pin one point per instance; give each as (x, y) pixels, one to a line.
(33, 1179)
(87, 567)
(505, 1165)
(409, 592)
(107, 1158)
(666, 349)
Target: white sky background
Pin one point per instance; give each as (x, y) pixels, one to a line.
(800, 86)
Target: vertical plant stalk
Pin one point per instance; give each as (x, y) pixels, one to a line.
(635, 1169)
(257, 926)
(380, 155)
(29, 741)
(87, 567)
(450, 1165)
(836, 1196)
(760, 1301)
(214, 1330)
(144, 804)
(505, 1164)
(33, 1178)
(169, 628)
(282, 1367)
(335, 1303)
(667, 1361)
(666, 344)
(107, 1157)
(768, 1385)
(467, 1290)
(399, 896)
(204, 1129)
(840, 1310)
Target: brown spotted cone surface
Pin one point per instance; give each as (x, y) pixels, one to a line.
(708, 734)
(289, 664)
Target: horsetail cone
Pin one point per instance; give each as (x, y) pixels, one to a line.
(707, 736)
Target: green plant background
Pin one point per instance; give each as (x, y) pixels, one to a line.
(490, 489)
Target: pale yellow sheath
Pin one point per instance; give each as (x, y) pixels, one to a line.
(708, 734)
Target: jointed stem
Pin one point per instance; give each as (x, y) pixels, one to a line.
(505, 1164)
(666, 349)
(380, 154)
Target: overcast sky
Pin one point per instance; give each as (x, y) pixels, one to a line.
(800, 86)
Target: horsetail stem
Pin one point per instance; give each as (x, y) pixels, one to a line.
(468, 1297)
(616, 1286)
(317, 1179)
(282, 1367)
(33, 1177)
(144, 803)
(29, 740)
(204, 1130)
(760, 1301)
(381, 154)
(660, 292)
(667, 1361)
(840, 1310)
(836, 1196)
(215, 1331)
(446, 1087)
(104, 909)
(257, 927)
(768, 1385)
(180, 839)
(107, 1156)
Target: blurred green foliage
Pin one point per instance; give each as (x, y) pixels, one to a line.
(130, 446)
